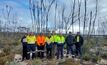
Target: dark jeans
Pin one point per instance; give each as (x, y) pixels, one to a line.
(54, 49)
(49, 52)
(78, 49)
(41, 54)
(70, 49)
(31, 48)
(24, 55)
(60, 48)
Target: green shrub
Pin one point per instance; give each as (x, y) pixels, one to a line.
(4, 59)
(104, 56)
(6, 50)
(2, 54)
(95, 59)
(86, 57)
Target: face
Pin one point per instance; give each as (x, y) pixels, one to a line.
(60, 34)
(49, 36)
(32, 34)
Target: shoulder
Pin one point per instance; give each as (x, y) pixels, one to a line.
(46, 37)
(34, 36)
(27, 36)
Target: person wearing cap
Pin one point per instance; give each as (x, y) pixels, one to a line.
(78, 44)
(41, 44)
(49, 46)
(70, 42)
(60, 46)
(31, 44)
(24, 45)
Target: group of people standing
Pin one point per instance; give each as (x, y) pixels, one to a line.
(53, 44)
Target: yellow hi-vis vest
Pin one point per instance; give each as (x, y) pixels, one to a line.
(31, 39)
(54, 38)
(60, 40)
(78, 38)
(48, 40)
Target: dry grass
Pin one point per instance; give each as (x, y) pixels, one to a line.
(4, 59)
(69, 62)
(35, 62)
(52, 62)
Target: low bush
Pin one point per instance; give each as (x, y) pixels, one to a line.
(95, 59)
(104, 56)
(35, 62)
(69, 62)
(86, 57)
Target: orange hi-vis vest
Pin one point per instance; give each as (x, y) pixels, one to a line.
(41, 40)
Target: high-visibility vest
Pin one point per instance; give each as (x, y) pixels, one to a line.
(54, 38)
(78, 39)
(60, 40)
(41, 40)
(48, 40)
(31, 39)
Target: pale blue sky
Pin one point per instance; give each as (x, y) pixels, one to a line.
(21, 7)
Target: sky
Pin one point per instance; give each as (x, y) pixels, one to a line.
(21, 9)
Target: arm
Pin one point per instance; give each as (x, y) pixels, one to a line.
(66, 39)
(82, 40)
(21, 40)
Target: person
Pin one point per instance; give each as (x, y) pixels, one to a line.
(24, 45)
(54, 43)
(49, 46)
(31, 45)
(78, 44)
(41, 45)
(60, 45)
(70, 42)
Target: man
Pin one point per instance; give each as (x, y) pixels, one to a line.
(78, 43)
(49, 46)
(54, 43)
(31, 45)
(60, 45)
(41, 45)
(24, 45)
(70, 42)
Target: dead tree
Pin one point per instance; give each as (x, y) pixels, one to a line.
(95, 17)
(7, 14)
(32, 9)
(90, 24)
(48, 9)
(79, 11)
(55, 15)
(85, 13)
(73, 16)
(67, 19)
(62, 17)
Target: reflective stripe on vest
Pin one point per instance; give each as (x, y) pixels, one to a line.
(61, 40)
